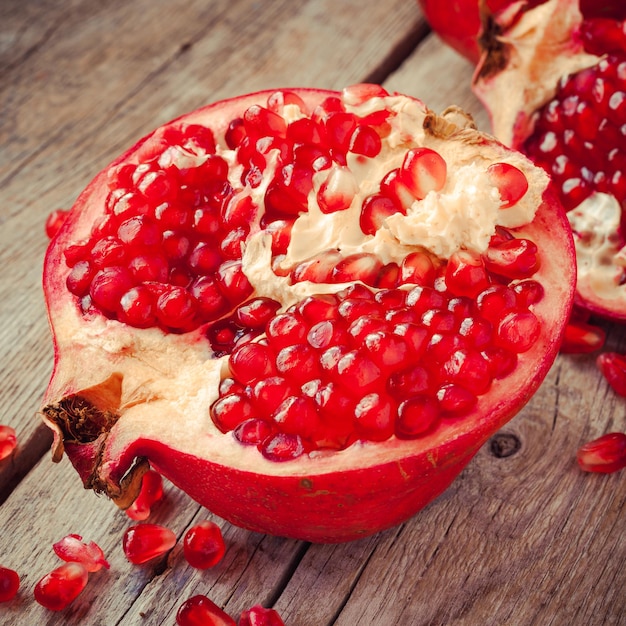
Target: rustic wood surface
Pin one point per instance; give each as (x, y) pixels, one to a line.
(518, 540)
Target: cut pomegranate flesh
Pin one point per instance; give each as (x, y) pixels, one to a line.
(261, 293)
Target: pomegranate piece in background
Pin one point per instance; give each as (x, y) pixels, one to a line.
(9, 584)
(582, 338)
(613, 367)
(604, 455)
(552, 74)
(305, 308)
(60, 587)
(8, 441)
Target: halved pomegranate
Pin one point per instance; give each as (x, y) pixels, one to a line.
(552, 74)
(308, 309)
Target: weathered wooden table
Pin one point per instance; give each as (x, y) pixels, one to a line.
(524, 538)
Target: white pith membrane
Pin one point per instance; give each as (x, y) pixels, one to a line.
(541, 47)
(176, 377)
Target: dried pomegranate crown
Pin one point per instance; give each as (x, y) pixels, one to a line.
(345, 282)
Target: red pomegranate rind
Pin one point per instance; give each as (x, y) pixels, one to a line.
(148, 393)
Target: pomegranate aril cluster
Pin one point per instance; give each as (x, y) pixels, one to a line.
(579, 135)
(368, 364)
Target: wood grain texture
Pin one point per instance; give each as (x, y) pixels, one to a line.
(525, 539)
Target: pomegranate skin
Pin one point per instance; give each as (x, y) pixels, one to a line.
(141, 396)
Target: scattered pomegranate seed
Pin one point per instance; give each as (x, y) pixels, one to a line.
(9, 584)
(8, 441)
(144, 542)
(605, 455)
(613, 367)
(582, 338)
(200, 611)
(60, 587)
(260, 616)
(151, 492)
(72, 549)
(203, 545)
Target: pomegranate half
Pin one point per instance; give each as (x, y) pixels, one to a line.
(552, 75)
(307, 309)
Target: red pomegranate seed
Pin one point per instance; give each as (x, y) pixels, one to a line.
(261, 122)
(513, 259)
(416, 417)
(144, 542)
(393, 186)
(582, 338)
(528, 292)
(317, 269)
(358, 373)
(613, 367)
(365, 141)
(282, 447)
(250, 362)
(409, 382)
(468, 369)
(203, 545)
(200, 611)
(605, 455)
(55, 221)
(510, 182)
(175, 308)
(228, 411)
(256, 313)
(60, 587)
(337, 191)
(466, 274)
(494, 301)
(137, 307)
(326, 333)
(418, 268)
(362, 92)
(108, 286)
(298, 363)
(374, 417)
(260, 616)
(8, 441)
(79, 279)
(72, 549)
(455, 400)
(9, 584)
(151, 492)
(253, 431)
(423, 170)
(375, 210)
(278, 100)
(518, 331)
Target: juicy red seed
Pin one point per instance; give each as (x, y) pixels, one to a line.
(606, 454)
(318, 307)
(375, 210)
(137, 307)
(365, 141)
(362, 92)
(139, 232)
(423, 170)
(418, 268)
(518, 331)
(298, 363)
(79, 279)
(358, 373)
(233, 282)
(479, 332)
(286, 329)
(501, 362)
(363, 326)
(253, 431)
(514, 259)
(144, 542)
(439, 321)
(256, 313)
(392, 186)
(510, 181)
(250, 362)
(353, 308)
(203, 545)
(421, 299)
(149, 267)
(260, 616)
(409, 382)
(200, 611)
(455, 400)
(415, 337)
(60, 587)
(204, 258)
(441, 346)
(73, 550)
(468, 369)
(261, 122)
(374, 417)
(297, 415)
(269, 392)
(108, 251)
(337, 191)
(282, 447)
(528, 292)
(175, 308)
(494, 301)
(8, 441)
(55, 221)
(151, 492)
(340, 127)
(108, 286)
(325, 334)
(466, 274)
(613, 367)
(9, 584)
(230, 410)
(317, 269)
(582, 338)
(416, 417)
